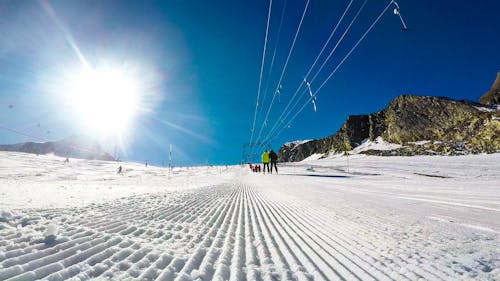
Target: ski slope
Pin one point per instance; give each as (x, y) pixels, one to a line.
(388, 218)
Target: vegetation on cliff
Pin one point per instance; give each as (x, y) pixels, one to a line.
(447, 126)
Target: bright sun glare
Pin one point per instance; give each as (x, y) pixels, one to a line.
(105, 100)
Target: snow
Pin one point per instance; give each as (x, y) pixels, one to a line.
(82, 182)
(314, 156)
(5, 215)
(339, 218)
(493, 108)
(293, 144)
(52, 229)
(377, 144)
(423, 142)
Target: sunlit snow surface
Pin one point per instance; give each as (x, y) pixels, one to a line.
(362, 217)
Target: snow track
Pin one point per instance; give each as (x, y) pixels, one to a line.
(234, 231)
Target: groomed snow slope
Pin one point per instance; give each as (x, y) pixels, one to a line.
(393, 218)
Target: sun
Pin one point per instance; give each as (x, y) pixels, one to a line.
(106, 100)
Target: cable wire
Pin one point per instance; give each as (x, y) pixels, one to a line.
(284, 67)
(339, 65)
(261, 69)
(322, 65)
(314, 64)
(274, 55)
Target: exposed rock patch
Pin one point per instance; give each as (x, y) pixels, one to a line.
(492, 97)
(450, 127)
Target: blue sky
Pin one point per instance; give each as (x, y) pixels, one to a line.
(198, 63)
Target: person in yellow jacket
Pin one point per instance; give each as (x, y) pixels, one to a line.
(265, 161)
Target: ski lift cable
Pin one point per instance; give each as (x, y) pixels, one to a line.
(313, 96)
(291, 120)
(280, 120)
(323, 64)
(339, 41)
(261, 69)
(348, 54)
(274, 56)
(316, 60)
(279, 129)
(329, 38)
(354, 47)
(340, 64)
(285, 66)
(402, 21)
(23, 134)
(397, 11)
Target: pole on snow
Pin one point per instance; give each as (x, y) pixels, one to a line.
(347, 148)
(170, 162)
(347, 160)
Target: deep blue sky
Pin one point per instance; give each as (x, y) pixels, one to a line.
(200, 62)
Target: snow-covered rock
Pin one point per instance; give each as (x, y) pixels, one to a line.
(51, 233)
(377, 144)
(5, 215)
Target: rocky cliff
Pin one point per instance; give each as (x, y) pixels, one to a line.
(492, 97)
(421, 124)
(74, 147)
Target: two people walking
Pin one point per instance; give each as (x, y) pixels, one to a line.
(267, 157)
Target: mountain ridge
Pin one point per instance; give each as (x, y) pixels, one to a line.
(448, 126)
(492, 97)
(74, 146)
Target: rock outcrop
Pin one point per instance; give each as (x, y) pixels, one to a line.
(74, 147)
(448, 126)
(492, 97)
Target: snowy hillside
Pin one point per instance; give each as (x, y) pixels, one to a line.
(356, 218)
(76, 146)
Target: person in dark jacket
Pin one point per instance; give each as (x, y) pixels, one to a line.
(274, 159)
